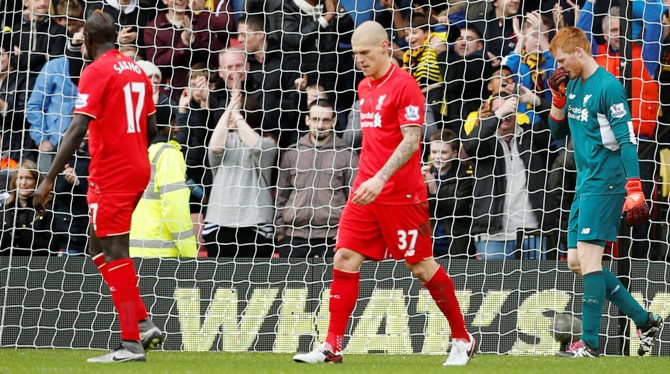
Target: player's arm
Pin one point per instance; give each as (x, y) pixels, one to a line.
(411, 137)
(72, 139)
(368, 191)
(635, 210)
(615, 107)
(558, 125)
(151, 128)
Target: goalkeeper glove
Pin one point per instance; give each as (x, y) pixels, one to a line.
(557, 82)
(635, 209)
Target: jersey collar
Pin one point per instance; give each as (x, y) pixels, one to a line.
(384, 78)
(111, 52)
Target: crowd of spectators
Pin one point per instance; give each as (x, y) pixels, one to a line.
(259, 119)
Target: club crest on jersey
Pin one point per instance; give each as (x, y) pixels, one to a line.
(586, 99)
(618, 110)
(412, 113)
(82, 101)
(380, 102)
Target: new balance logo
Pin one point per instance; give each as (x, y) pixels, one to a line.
(615, 289)
(586, 231)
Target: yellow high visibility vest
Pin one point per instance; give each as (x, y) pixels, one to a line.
(161, 225)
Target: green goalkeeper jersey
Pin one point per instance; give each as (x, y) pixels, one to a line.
(599, 120)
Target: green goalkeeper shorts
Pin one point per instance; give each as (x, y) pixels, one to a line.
(595, 218)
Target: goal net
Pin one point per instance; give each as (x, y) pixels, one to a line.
(243, 261)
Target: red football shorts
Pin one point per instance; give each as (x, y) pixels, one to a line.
(111, 213)
(372, 229)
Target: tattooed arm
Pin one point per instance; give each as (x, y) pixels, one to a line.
(368, 191)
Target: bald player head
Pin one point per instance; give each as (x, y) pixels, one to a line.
(370, 45)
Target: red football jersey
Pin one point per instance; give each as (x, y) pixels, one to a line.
(387, 104)
(116, 93)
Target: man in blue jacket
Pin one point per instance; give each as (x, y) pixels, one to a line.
(49, 109)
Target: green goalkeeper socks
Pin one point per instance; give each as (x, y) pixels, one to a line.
(619, 296)
(592, 307)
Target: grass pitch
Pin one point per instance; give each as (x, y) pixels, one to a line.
(74, 361)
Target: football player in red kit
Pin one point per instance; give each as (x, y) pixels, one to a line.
(389, 207)
(115, 106)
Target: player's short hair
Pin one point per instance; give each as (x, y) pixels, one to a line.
(255, 22)
(100, 27)
(419, 21)
(444, 136)
(70, 9)
(322, 103)
(568, 39)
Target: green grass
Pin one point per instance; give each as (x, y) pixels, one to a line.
(74, 361)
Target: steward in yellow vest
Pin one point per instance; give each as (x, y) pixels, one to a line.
(161, 225)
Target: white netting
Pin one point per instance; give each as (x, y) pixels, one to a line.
(264, 197)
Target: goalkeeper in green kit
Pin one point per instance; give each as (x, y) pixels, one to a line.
(590, 105)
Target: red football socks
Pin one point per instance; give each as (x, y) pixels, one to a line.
(343, 296)
(122, 282)
(441, 288)
(99, 261)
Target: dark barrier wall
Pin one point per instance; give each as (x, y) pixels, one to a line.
(282, 307)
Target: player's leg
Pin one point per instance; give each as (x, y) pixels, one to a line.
(648, 323)
(110, 218)
(407, 233)
(573, 261)
(441, 289)
(614, 291)
(98, 258)
(122, 281)
(150, 335)
(590, 261)
(358, 238)
(343, 297)
(597, 222)
(573, 227)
